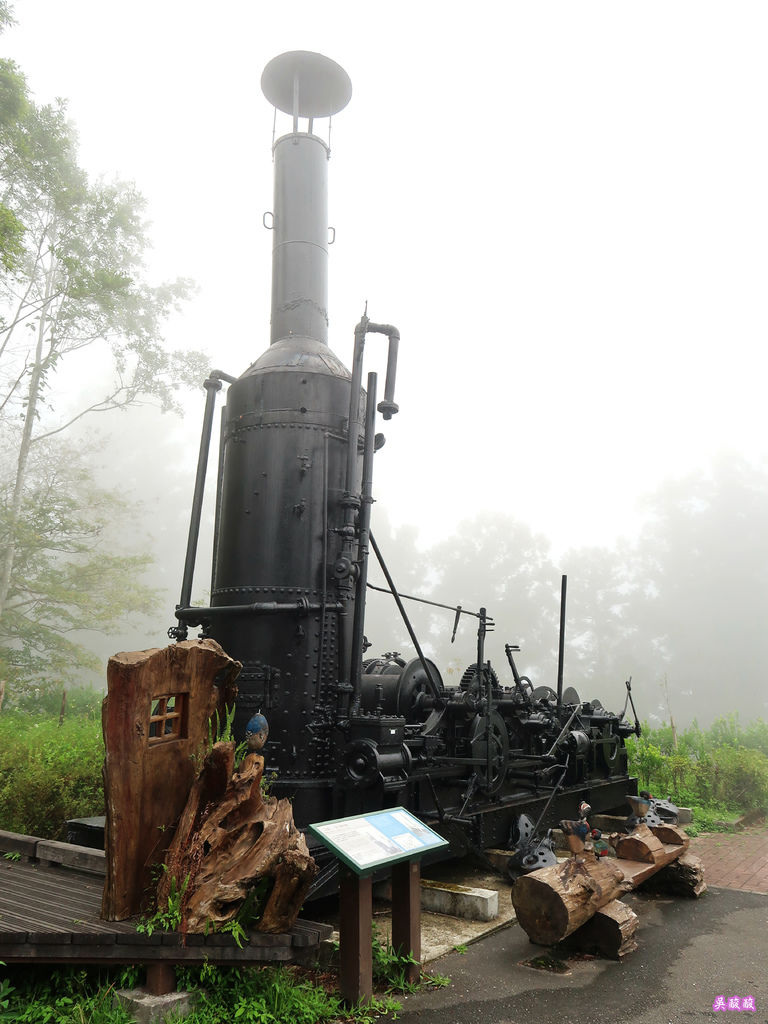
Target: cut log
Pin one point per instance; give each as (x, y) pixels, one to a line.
(640, 845)
(553, 902)
(155, 722)
(610, 932)
(671, 835)
(228, 841)
(683, 877)
(641, 854)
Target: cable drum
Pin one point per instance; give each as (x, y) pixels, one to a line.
(401, 686)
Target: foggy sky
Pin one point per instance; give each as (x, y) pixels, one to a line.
(561, 207)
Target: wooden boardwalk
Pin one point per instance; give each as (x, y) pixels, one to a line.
(50, 912)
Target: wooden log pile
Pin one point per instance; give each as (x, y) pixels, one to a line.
(551, 903)
(578, 900)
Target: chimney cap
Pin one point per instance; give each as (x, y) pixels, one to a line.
(306, 84)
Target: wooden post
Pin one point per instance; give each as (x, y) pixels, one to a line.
(355, 936)
(406, 914)
(161, 978)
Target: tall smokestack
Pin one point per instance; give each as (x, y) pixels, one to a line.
(304, 85)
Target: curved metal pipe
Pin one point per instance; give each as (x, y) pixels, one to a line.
(364, 529)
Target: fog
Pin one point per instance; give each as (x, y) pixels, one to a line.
(563, 210)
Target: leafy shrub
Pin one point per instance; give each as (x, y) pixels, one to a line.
(67, 996)
(646, 759)
(268, 995)
(49, 773)
(722, 771)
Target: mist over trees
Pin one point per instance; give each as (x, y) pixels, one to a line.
(75, 309)
(66, 574)
(682, 609)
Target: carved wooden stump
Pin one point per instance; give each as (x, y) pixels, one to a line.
(228, 840)
(155, 722)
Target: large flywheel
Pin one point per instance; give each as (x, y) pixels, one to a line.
(490, 778)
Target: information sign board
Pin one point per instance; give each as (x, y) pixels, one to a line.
(366, 842)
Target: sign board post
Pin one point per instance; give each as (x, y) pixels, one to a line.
(364, 844)
(355, 935)
(406, 914)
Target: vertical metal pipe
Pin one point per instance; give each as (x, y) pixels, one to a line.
(211, 386)
(321, 654)
(561, 650)
(481, 628)
(364, 530)
(354, 402)
(219, 483)
(300, 239)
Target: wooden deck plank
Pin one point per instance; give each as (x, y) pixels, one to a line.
(21, 920)
(82, 858)
(15, 889)
(45, 889)
(52, 914)
(46, 908)
(49, 878)
(52, 953)
(49, 904)
(13, 842)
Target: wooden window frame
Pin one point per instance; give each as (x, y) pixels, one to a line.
(160, 718)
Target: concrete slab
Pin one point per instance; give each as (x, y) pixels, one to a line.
(442, 933)
(458, 900)
(147, 1009)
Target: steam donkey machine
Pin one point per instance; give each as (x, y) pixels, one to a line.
(290, 567)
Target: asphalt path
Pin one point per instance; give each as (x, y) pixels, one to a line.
(690, 952)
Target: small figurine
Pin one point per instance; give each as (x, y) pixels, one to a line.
(256, 733)
(576, 832)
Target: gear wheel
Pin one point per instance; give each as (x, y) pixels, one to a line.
(469, 681)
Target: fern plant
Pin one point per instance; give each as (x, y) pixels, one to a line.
(168, 918)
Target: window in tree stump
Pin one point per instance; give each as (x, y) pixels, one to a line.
(167, 718)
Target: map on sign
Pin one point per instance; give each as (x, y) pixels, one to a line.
(368, 841)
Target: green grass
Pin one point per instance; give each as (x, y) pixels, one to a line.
(267, 995)
(49, 773)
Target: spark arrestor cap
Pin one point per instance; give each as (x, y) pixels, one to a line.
(306, 84)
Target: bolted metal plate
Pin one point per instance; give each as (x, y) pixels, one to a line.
(324, 87)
